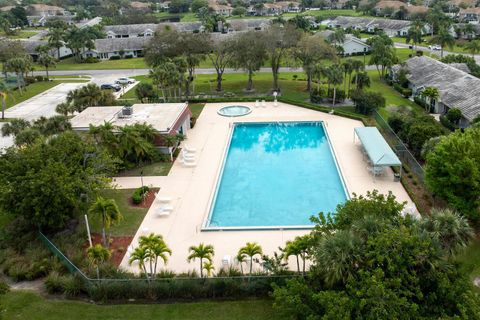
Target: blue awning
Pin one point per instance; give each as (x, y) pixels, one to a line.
(376, 147)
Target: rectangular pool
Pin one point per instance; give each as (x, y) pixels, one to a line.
(276, 174)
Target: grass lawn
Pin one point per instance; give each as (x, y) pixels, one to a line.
(154, 169)
(27, 305)
(196, 109)
(470, 259)
(22, 34)
(71, 64)
(132, 217)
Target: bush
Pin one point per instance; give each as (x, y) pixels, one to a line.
(454, 115)
(128, 56)
(4, 288)
(339, 95)
(40, 78)
(138, 194)
(396, 121)
(447, 123)
(316, 96)
(115, 58)
(367, 102)
(54, 283)
(29, 80)
(91, 60)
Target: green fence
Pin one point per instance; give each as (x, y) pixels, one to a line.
(401, 150)
(175, 288)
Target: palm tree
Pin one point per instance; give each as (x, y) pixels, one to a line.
(317, 73)
(201, 252)
(444, 39)
(469, 30)
(292, 249)
(335, 77)
(108, 210)
(415, 33)
(208, 266)
(157, 248)
(21, 66)
(357, 66)
(55, 39)
(362, 80)
(97, 255)
(240, 259)
(141, 254)
(347, 70)
(47, 61)
(451, 230)
(473, 47)
(431, 94)
(250, 250)
(131, 145)
(4, 92)
(337, 256)
(14, 127)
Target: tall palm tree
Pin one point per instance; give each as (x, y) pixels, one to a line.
(14, 127)
(347, 70)
(357, 66)
(240, 259)
(473, 47)
(201, 252)
(415, 33)
(21, 66)
(141, 254)
(209, 267)
(157, 248)
(431, 94)
(4, 92)
(131, 145)
(317, 73)
(47, 61)
(55, 39)
(451, 230)
(292, 249)
(335, 78)
(337, 256)
(250, 250)
(108, 210)
(97, 255)
(362, 80)
(444, 39)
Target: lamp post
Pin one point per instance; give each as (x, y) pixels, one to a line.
(275, 94)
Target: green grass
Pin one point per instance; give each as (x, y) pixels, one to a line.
(196, 109)
(22, 34)
(154, 169)
(71, 64)
(27, 305)
(132, 216)
(470, 259)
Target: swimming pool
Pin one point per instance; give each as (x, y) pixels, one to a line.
(276, 175)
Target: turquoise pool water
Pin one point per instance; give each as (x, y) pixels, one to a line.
(276, 174)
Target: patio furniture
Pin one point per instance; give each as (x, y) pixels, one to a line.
(263, 104)
(376, 171)
(189, 164)
(257, 103)
(188, 158)
(226, 260)
(162, 199)
(163, 213)
(188, 149)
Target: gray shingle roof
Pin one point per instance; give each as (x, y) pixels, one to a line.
(117, 44)
(364, 23)
(457, 89)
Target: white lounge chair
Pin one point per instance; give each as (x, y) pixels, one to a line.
(188, 149)
(162, 199)
(226, 260)
(264, 104)
(257, 103)
(188, 158)
(163, 213)
(189, 164)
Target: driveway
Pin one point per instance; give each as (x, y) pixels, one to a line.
(42, 104)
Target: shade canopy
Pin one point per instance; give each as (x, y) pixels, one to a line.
(376, 147)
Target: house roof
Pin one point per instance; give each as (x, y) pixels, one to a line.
(470, 10)
(117, 44)
(365, 23)
(348, 37)
(457, 88)
(130, 28)
(162, 116)
(44, 7)
(395, 4)
(139, 5)
(6, 8)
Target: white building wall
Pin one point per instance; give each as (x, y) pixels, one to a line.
(352, 47)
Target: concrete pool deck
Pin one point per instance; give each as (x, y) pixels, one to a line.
(191, 189)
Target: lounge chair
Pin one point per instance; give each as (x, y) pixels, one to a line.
(163, 213)
(226, 260)
(189, 164)
(257, 103)
(188, 149)
(188, 158)
(162, 199)
(264, 104)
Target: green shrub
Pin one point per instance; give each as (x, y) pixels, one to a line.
(91, 60)
(73, 286)
(115, 58)
(447, 123)
(4, 288)
(128, 56)
(54, 283)
(138, 194)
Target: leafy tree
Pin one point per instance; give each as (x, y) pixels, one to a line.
(4, 92)
(367, 102)
(46, 61)
(197, 4)
(454, 115)
(247, 56)
(108, 211)
(98, 255)
(239, 11)
(179, 6)
(144, 92)
(473, 47)
(310, 51)
(279, 40)
(444, 39)
(453, 171)
(201, 252)
(157, 249)
(42, 186)
(250, 250)
(382, 54)
(221, 56)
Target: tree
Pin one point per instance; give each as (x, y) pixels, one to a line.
(278, 41)
(42, 186)
(56, 39)
(192, 47)
(4, 92)
(135, 142)
(109, 212)
(240, 259)
(431, 94)
(88, 96)
(473, 47)
(221, 56)
(454, 115)
(247, 56)
(415, 33)
(337, 37)
(453, 171)
(310, 51)
(14, 127)
(209, 267)
(239, 11)
(250, 250)
(197, 4)
(98, 255)
(347, 66)
(21, 66)
(144, 92)
(157, 248)
(46, 61)
(357, 67)
(382, 54)
(334, 77)
(444, 39)
(141, 254)
(201, 252)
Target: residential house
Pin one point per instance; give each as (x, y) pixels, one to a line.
(130, 30)
(32, 45)
(275, 8)
(390, 27)
(389, 8)
(45, 10)
(165, 5)
(105, 49)
(6, 8)
(457, 88)
(140, 6)
(469, 15)
(249, 24)
(350, 46)
(221, 9)
(165, 118)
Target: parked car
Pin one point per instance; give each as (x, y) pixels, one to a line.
(109, 86)
(124, 81)
(435, 47)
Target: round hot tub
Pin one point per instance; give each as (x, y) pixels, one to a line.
(234, 111)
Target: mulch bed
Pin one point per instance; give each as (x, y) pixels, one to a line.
(118, 246)
(147, 201)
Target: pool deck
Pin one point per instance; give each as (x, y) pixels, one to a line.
(191, 189)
